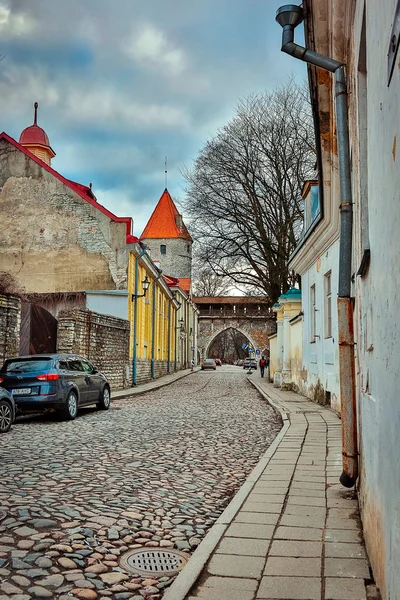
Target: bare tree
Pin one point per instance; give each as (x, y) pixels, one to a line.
(206, 282)
(243, 194)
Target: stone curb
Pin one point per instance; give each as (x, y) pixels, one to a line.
(152, 385)
(191, 572)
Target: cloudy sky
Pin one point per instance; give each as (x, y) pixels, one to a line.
(123, 83)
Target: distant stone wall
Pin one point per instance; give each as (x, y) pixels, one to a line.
(102, 339)
(10, 323)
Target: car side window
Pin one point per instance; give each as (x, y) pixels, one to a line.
(75, 365)
(86, 367)
(63, 365)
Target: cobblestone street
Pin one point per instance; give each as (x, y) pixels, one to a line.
(155, 471)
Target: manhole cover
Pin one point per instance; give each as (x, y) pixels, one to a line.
(3, 514)
(154, 562)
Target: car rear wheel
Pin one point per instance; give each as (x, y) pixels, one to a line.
(105, 399)
(71, 407)
(5, 416)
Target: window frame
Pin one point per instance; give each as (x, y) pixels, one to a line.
(313, 312)
(328, 304)
(163, 249)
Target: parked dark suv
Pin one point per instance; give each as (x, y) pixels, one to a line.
(62, 382)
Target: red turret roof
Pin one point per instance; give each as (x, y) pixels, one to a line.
(35, 135)
(83, 191)
(165, 222)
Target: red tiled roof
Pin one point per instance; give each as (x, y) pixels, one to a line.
(184, 283)
(82, 190)
(165, 222)
(171, 281)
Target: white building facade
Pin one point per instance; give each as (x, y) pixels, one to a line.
(364, 35)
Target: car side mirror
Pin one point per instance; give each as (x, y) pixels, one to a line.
(95, 369)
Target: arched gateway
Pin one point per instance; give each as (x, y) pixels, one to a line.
(250, 316)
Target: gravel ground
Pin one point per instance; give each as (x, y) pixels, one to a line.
(155, 471)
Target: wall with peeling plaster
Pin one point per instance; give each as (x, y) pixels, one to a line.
(51, 239)
(375, 131)
(320, 354)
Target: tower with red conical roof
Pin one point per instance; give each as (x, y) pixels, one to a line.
(35, 139)
(169, 240)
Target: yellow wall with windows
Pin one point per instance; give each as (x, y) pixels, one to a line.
(164, 316)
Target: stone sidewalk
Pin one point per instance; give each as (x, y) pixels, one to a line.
(292, 532)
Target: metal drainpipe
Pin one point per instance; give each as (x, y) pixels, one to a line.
(153, 325)
(289, 17)
(134, 365)
(176, 340)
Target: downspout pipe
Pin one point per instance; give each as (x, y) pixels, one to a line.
(153, 326)
(289, 17)
(134, 365)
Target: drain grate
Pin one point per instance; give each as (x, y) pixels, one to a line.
(3, 514)
(154, 562)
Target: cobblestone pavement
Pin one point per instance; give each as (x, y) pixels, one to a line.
(155, 471)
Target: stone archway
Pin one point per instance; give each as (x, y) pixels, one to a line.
(221, 331)
(255, 329)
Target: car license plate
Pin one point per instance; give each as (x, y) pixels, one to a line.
(21, 392)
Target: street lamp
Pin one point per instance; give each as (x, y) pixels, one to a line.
(145, 286)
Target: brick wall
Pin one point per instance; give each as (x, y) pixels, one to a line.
(10, 322)
(104, 340)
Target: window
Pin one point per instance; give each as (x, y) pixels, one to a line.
(188, 248)
(163, 249)
(328, 305)
(312, 314)
(75, 365)
(86, 367)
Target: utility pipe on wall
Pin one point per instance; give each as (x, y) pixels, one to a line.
(289, 17)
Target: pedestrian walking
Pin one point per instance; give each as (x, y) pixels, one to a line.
(262, 365)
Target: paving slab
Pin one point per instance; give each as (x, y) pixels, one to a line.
(243, 547)
(236, 566)
(292, 566)
(289, 588)
(295, 548)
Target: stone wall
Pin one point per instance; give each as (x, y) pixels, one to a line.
(143, 370)
(70, 244)
(255, 329)
(10, 323)
(177, 261)
(102, 339)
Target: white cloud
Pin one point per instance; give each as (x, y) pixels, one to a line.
(15, 24)
(150, 47)
(116, 107)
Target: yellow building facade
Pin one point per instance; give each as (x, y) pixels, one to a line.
(152, 312)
